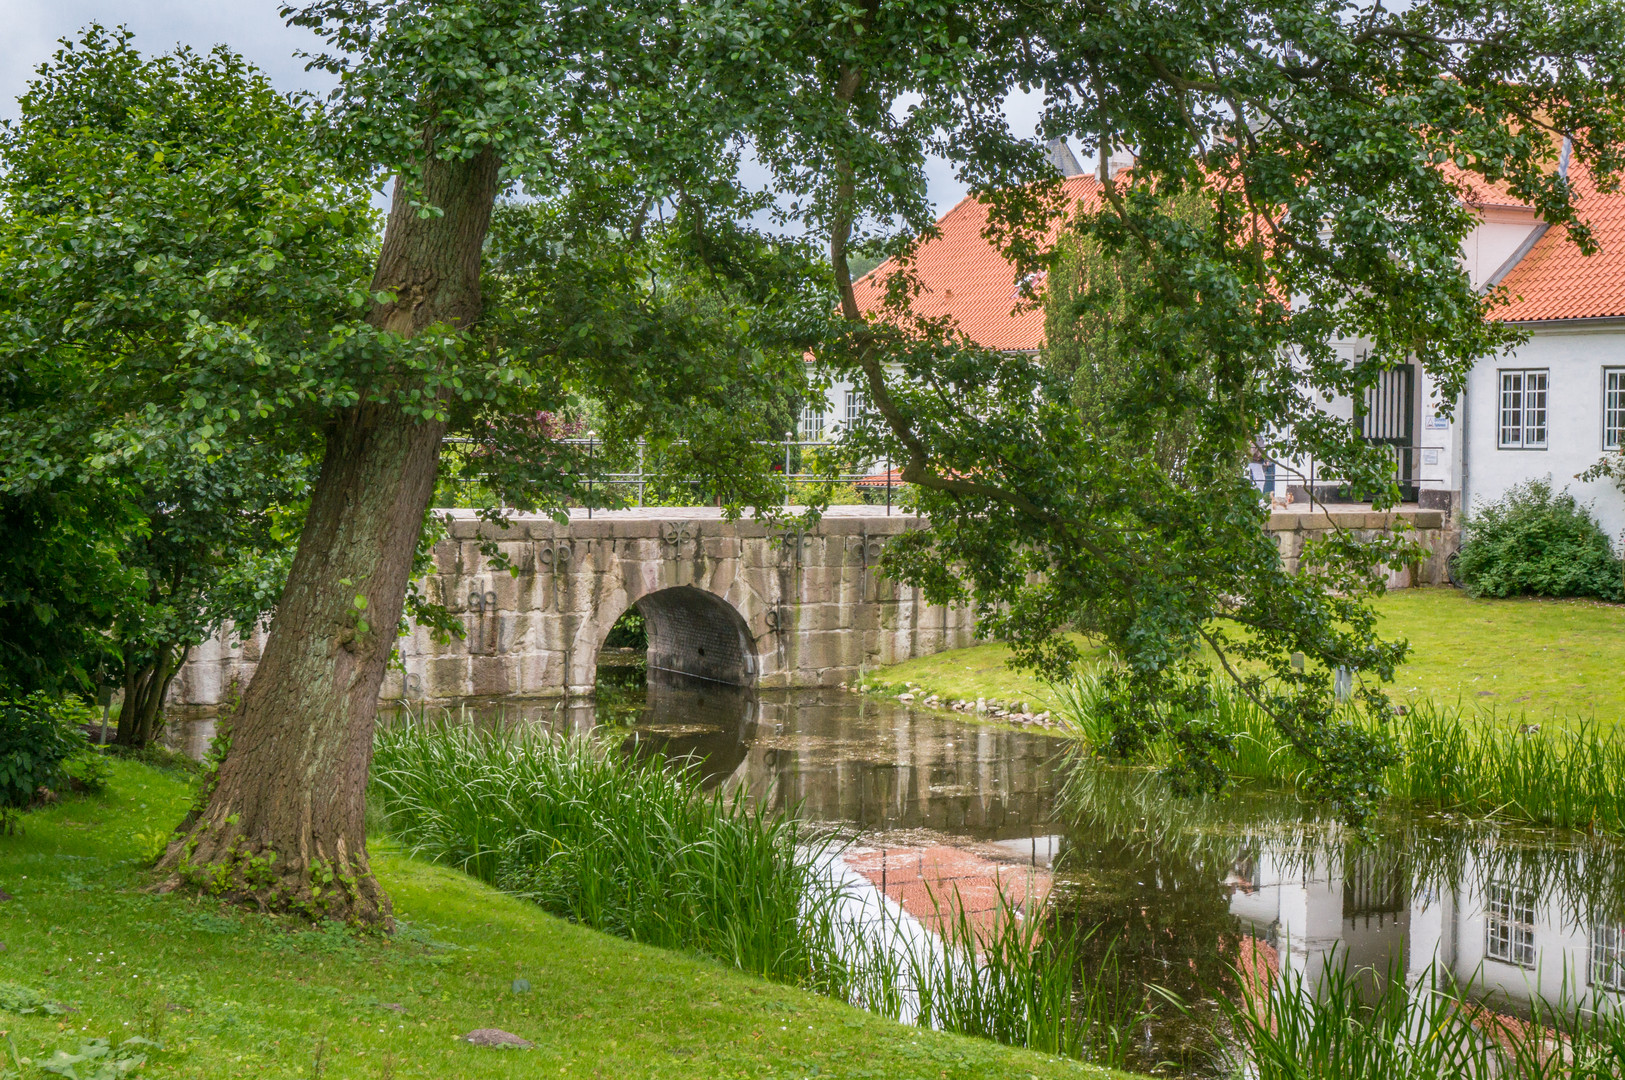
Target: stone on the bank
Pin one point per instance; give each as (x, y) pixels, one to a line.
(497, 1037)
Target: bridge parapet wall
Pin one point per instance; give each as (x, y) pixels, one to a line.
(1433, 530)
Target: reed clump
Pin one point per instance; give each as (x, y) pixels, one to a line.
(1359, 1025)
(1568, 776)
(615, 844)
(1022, 980)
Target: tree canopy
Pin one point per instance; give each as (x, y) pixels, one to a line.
(154, 208)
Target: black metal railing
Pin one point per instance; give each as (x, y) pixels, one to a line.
(1325, 486)
(624, 476)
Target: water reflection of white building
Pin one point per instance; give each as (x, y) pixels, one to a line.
(1507, 940)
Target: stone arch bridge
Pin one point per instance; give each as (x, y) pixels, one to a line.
(733, 602)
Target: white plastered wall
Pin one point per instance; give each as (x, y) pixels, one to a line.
(1575, 354)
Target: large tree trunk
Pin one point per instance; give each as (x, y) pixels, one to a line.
(283, 825)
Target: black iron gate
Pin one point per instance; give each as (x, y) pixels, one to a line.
(1386, 416)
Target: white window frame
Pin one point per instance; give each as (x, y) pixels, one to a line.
(1613, 408)
(1607, 960)
(857, 406)
(1523, 408)
(1509, 924)
(812, 421)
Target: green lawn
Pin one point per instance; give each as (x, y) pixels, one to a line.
(981, 671)
(230, 994)
(1543, 658)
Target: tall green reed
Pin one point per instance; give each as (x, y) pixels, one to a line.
(1565, 776)
(614, 844)
(1020, 980)
(1337, 1028)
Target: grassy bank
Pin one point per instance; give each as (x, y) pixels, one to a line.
(237, 995)
(1543, 659)
(980, 671)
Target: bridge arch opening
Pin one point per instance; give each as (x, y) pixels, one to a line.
(695, 633)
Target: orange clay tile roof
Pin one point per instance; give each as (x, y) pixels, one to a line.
(965, 277)
(1555, 281)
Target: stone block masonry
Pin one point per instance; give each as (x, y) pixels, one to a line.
(1434, 532)
(734, 602)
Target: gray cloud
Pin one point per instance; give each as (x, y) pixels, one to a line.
(251, 27)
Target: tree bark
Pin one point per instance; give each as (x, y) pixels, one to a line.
(146, 684)
(283, 826)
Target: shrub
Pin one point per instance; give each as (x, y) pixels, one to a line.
(1532, 542)
(36, 743)
(88, 772)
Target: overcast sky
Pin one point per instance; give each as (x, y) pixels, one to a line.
(30, 29)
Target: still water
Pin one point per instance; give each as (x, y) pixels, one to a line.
(1184, 894)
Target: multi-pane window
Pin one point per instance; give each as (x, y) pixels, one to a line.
(1523, 410)
(1608, 956)
(1509, 924)
(812, 421)
(1613, 408)
(856, 406)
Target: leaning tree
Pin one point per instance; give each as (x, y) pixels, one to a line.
(1302, 173)
(191, 259)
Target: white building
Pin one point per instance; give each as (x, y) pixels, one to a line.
(1554, 406)
(1550, 408)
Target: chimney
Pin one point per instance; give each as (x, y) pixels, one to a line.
(1060, 156)
(1119, 160)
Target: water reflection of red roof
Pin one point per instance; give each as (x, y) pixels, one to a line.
(926, 882)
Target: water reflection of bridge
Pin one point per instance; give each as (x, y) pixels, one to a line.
(871, 763)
